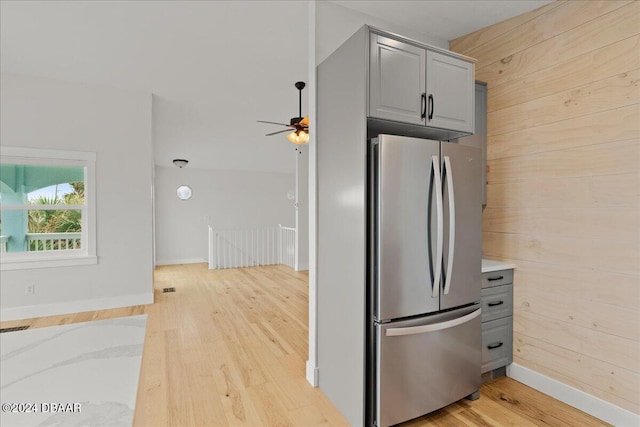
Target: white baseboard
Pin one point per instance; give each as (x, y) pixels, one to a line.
(592, 405)
(41, 310)
(180, 261)
(312, 374)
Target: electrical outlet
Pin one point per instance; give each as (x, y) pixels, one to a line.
(30, 289)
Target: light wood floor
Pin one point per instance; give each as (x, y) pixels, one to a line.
(229, 348)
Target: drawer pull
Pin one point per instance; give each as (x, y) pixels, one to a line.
(493, 279)
(493, 304)
(492, 346)
(432, 327)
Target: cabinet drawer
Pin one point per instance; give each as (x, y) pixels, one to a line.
(497, 278)
(497, 302)
(497, 343)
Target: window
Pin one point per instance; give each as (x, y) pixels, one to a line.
(47, 208)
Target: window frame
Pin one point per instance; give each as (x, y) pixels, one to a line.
(45, 259)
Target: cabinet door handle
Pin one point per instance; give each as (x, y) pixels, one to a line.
(423, 106)
(431, 107)
(492, 279)
(492, 346)
(493, 304)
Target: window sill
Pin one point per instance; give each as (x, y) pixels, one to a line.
(27, 264)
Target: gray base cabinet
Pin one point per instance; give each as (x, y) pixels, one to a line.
(497, 345)
(497, 319)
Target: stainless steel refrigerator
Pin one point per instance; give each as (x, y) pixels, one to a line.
(424, 276)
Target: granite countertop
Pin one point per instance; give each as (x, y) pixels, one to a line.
(489, 265)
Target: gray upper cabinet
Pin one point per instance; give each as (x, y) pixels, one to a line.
(397, 80)
(450, 90)
(479, 137)
(420, 85)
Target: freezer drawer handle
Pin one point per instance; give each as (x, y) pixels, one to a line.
(492, 346)
(493, 304)
(493, 279)
(413, 330)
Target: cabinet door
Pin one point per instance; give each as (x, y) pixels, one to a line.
(450, 92)
(396, 80)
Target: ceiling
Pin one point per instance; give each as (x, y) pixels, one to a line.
(446, 19)
(214, 67)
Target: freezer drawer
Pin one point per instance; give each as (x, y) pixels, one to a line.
(497, 343)
(497, 302)
(425, 364)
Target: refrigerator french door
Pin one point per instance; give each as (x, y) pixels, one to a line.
(425, 266)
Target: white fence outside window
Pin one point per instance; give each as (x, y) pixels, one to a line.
(40, 242)
(4, 241)
(37, 242)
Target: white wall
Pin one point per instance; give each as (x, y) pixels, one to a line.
(335, 24)
(302, 208)
(116, 125)
(312, 151)
(224, 199)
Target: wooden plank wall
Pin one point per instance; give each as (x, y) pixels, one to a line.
(563, 187)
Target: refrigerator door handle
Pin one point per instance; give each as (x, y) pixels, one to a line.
(414, 330)
(452, 223)
(435, 161)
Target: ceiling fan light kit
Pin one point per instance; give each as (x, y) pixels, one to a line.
(298, 138)
(299, 125)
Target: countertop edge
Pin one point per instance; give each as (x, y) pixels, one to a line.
(489, 265)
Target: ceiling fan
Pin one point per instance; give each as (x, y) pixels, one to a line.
(298, 126)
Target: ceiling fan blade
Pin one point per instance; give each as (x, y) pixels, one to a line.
(304, 121)
(280, 131)
(273, 123)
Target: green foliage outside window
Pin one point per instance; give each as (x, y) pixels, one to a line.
(58, 221)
